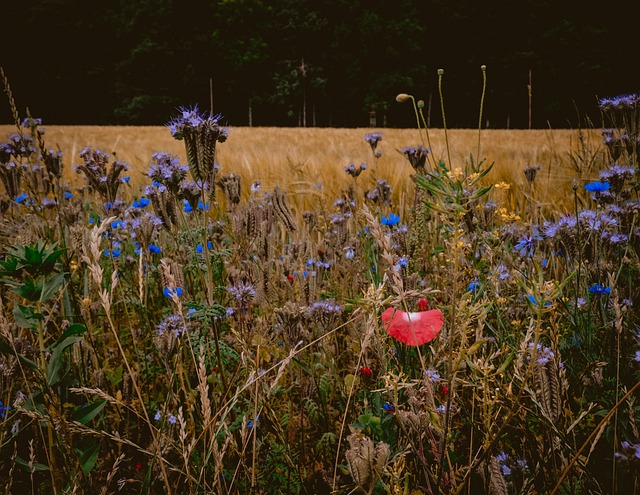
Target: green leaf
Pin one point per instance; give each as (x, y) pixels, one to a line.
(51, 287)
(88, 454)
(26, 316)
(85, 414)
(75, 329)
(480, 192)
(8, 351)
(30, 289)
(55, 361)
(34, 468)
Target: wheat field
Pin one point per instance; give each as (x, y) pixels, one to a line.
(308, 163)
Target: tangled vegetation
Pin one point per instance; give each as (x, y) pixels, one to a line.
(181, 339)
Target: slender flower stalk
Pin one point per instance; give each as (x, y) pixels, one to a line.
(444, 115)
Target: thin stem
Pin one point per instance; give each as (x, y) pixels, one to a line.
(484, 89)
(594, 433)
(444, 117)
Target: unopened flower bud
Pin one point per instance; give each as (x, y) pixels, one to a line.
(420, 104)
(483, 68)
(402, 97)
(440, 72)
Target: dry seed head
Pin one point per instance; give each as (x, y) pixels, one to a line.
(497, 484)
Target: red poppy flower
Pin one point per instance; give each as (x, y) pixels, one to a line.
(366, 371)
(412, 328)
(290, 278)
(423, 305)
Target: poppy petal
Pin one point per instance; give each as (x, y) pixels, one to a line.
(413, 328)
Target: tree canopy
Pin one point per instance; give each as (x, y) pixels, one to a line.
(315, 63)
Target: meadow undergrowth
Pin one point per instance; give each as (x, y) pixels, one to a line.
(183, 338)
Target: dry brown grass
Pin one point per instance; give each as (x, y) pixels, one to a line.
(298, 159)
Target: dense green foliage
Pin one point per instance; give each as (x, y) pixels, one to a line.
(324, 63)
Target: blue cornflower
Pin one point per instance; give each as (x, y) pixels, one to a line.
(187, 206)
(168, 292)
(533, 301)
(125, 180)
(22, 198)
(142, 203)
(68, 195)
(388, 408)
(115, 253)
(526, 245)
(203, 206)
(199, 247)
(3, 410)
(599, 289)
(597, 186)
(473, 287)
(154, 249)
(390, 220)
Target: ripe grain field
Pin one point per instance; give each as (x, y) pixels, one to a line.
(309, 162)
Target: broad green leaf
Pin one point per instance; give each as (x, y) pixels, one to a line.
(51, 287)
(55, 361)
(34, 468)
(25, 316)
(87, 454)
(75, 329)
(85, 414)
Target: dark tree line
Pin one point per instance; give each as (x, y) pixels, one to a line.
(316, 62)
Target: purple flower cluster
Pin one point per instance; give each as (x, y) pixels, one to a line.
(620, 102)
(166, 170)
(417, 156)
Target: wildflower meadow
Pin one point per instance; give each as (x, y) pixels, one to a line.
(192, 335)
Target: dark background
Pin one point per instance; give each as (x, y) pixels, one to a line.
(136, 61)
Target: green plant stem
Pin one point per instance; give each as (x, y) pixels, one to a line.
(444, 117)
(452, 333)
(484, 89)
(426, 129)
(43, 366)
